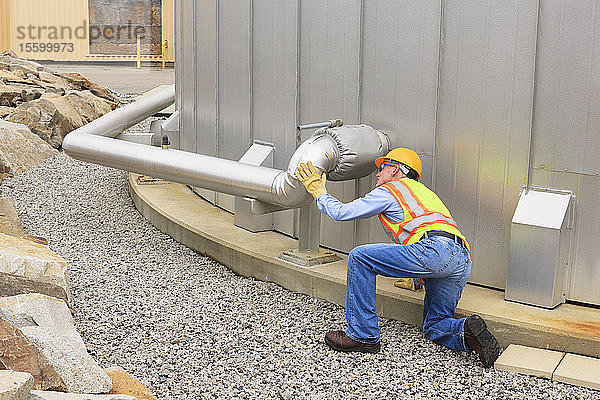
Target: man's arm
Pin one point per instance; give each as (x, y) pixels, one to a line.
(376, 201)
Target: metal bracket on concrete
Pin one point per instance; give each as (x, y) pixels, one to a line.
(148, 180)
(170, 128)
(308, 253)
(250, 214)
(260, 207)
(309, 230)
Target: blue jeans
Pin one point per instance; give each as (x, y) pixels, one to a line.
(444, 265)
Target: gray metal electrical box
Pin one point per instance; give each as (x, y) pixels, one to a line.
(540, 239)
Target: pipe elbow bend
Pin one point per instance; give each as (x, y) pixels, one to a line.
(343, 153)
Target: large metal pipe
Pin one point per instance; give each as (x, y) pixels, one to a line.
(345, 152)
(115, 122)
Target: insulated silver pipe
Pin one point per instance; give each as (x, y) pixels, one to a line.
(343, 153)
(115, 122)
(212, 173)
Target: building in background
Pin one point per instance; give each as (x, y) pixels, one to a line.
(88, 30)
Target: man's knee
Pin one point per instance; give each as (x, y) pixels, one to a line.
(359, 251)
(356, 256)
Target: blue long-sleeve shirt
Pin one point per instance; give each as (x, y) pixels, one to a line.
(378, 200)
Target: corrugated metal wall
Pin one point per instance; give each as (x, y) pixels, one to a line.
(484, 118)
(566, 127)
(466, 84)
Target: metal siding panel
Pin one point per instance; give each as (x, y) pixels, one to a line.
(233, 119)
(234, 84)
(274, 64)
(483, 123)
(585, 271)
(329, 87)
(179, 32)
(591, 145)
(568, 88)
(566, 125)
(204, 50)
(399, 77)
(206, 77)
(188, 107)
(399, 84)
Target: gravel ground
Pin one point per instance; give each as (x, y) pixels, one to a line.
(189, 328)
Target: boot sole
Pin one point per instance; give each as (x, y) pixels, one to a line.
(360, 349)
(490, 349)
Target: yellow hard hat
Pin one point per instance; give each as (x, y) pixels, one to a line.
(404, 156)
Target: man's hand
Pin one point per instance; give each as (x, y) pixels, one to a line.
(308, 175)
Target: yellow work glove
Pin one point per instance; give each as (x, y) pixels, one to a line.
(409, 283)
(308, 175)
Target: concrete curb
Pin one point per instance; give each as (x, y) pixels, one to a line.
(175, 210)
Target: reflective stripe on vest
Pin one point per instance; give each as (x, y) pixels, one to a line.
(421, 213)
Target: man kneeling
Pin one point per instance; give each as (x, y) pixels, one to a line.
(427, 246)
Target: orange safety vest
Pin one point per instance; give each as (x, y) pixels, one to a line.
(423, 212)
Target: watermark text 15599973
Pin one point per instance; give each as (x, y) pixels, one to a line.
(35, 47)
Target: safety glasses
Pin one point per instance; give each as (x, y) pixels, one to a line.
(383, 164)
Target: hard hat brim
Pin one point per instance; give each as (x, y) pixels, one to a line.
(379, 161)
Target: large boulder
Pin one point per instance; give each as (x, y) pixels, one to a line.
(20, 149)
(88, 105)
(10, 224)
(48, 324)
(10, 96)
(37, 116)
(54, 80)
(51, 117)
(34, 262)
(6, 111)
(12, 63)
(52, 83)
(15, 385)
(124, 383)
(65, 119)
(8, 77)
(19, 354)
(79, 82)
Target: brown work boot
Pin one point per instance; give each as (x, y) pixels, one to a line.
(338, 340)
(481, 341)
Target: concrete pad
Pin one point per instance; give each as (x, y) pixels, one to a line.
(529, 361)
(578, 370)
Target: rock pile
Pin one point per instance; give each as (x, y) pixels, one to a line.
(41, 353)
(51, 105)
(20, 148)
(42, 356)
